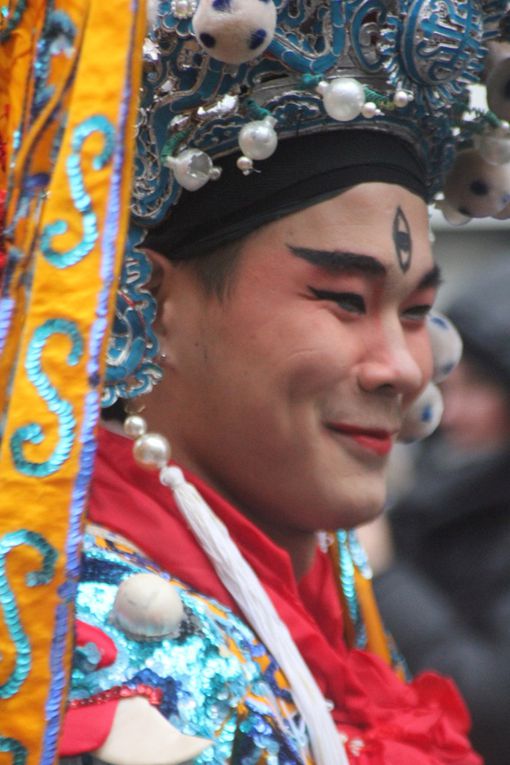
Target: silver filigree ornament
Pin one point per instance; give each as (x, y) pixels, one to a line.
(434, 48)
(133, 346)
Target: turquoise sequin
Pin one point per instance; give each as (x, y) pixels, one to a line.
(8, 602)
(214, 679)
(13, 18)
(18, 751)
(66, 421)
(348, 584)
(83, 203)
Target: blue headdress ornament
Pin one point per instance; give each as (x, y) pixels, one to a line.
(235, 77)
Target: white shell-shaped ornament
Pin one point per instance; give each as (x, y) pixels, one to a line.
(446, 345)
(235, 31)
(147, 607)
(141, 735)
(476, 188)
(192, 168)
(423, 417)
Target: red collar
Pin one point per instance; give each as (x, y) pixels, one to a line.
(394, 719)
(132, 501)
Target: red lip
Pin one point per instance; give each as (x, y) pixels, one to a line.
(374, 439)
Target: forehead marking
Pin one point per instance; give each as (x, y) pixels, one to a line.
(402, 240)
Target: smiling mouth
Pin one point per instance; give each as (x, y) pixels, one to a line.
(375, 440)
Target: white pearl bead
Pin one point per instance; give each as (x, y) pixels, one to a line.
(147, 607)
(245, 164)
(135, 426)
(192, 168)
(258, 139)
(215, 173)
(322, 87)
(151, 450)
(343, 99)
(183, 9)
(401, 98)
(369, 110)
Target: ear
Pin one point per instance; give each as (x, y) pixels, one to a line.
(160, 286)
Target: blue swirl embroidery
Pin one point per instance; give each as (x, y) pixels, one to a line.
(16, 748)
(82, 201)
(32, 432)
(13, 20)
(8, 602)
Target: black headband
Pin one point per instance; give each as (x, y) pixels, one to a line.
(303, 171)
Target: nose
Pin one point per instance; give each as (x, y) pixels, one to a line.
(395, 363)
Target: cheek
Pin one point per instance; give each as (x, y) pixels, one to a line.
(421, 350)
(315, 369)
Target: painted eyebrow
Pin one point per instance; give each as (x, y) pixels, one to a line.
(432, 278)
(338, 261)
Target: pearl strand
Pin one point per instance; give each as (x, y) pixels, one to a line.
(152, 451)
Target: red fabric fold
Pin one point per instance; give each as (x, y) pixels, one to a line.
(421, 723)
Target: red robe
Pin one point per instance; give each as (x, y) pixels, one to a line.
(423, 722)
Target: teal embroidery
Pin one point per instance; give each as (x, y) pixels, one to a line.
(16, 748)
(32, 432)
(11, 614)
(82, 201)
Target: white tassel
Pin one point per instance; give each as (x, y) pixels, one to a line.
(246, 589)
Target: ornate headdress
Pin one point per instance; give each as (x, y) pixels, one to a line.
(228, 80)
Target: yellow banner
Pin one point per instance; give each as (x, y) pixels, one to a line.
(70, 80)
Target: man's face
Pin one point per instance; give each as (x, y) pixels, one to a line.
(288, 394)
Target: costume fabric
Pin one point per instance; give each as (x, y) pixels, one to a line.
(447, 597)
(420, 723)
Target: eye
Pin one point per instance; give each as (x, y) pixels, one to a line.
(347, 301)
(417, 313)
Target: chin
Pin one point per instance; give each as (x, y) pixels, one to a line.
(360, 505)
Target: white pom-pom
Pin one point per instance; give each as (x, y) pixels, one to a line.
(453, 216)
(235, 31)
(497, 79)
(147, 607)
(446, 345)
(424, 415)
(475, 188)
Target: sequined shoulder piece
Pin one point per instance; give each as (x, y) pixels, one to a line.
(143, 634)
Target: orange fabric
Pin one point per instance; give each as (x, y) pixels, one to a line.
(92, 77)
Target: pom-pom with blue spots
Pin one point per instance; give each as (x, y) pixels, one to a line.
(446, 345)
(235, 31)
(475, 188)
(423, 417)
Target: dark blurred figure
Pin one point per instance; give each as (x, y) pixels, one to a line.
(444, 583)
